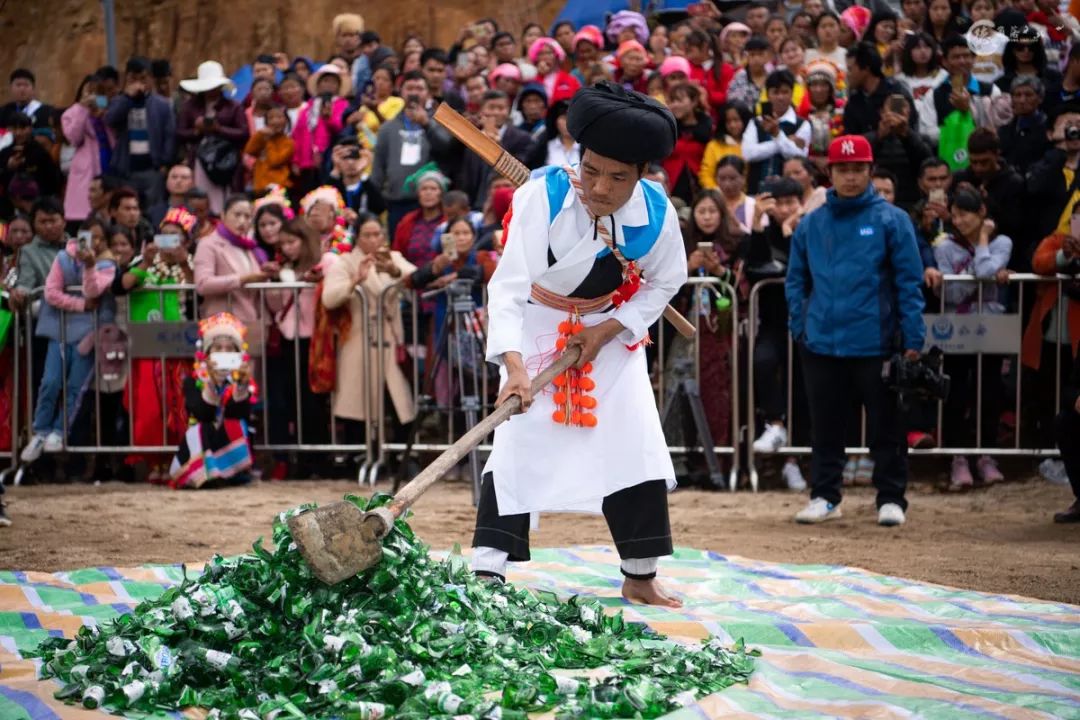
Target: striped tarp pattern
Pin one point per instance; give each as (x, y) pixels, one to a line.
(836, 641)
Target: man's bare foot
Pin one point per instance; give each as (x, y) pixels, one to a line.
(649, 592)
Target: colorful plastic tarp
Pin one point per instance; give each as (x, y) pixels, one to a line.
(836, 641)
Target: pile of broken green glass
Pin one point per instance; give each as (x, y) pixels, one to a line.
(257, 637)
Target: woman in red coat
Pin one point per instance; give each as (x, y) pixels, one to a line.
(695, 130)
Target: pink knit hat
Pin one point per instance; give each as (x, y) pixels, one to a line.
(630, 46)
(857, 18)
(540, 43)
(590, 34)
(734, 27)
(506, 70)
(674, 64)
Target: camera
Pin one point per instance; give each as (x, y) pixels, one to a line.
(412, 100)
(1072, 132)
(326, 98)
(922, 377)
(352, 154)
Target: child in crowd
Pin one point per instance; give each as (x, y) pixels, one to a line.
(272, 151)
(67, 319)
(322, 208)
(974, 247)
(727, 140)
(218, 397)
(303, 420)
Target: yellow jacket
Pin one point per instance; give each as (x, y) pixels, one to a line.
(716, 151)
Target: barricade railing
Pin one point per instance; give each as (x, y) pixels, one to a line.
(977, 333)
(163, 340)
(701, 307)
(174, 339)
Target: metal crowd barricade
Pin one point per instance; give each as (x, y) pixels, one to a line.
(696, 284)
(170, 340)
(936, 336)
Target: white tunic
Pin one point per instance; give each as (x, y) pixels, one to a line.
(537, 464)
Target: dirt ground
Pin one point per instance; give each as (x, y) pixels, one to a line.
(1000, 539)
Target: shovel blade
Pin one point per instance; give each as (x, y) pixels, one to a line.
(335, 542)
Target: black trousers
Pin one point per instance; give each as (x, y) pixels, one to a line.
(770, 373)
(1068, 442)
(285, 407)
(637, 517)
(833, 384)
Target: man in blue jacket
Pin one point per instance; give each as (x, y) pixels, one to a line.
(854, 298)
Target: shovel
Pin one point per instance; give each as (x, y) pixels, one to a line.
(340, 540)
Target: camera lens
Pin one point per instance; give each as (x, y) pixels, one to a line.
(1072, 133)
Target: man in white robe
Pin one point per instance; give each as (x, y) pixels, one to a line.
(560, 280)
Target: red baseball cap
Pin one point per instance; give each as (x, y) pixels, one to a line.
(850, 149)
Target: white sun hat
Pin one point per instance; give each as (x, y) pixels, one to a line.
(209, 77)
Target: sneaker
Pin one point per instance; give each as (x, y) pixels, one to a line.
(988, 470)
(816, 511)
(1053, 471)
(54, 442)
(774, 438)
(960, 477)
(864, 471)
(890, 515)
(920, 441)
(793, 476)
(1072, 515)
(5, 521)
(33, 451)
(849, 472)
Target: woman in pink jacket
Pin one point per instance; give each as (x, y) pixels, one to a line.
(319, 121)
(93, 141)
(226, 260)
(303, 419)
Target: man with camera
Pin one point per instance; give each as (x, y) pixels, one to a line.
(853, 289)
(404, 145)
(1054, 179)
(351, 176)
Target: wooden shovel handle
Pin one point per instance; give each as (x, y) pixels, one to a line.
(450, 457)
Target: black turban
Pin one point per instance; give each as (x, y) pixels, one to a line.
(621, 124)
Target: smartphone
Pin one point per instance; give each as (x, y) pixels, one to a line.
(464, 62)
(449, 247)
(86, 240)
(226, 360)
(957, 81)
(766, 109)
(896, 104)
(704, 246)
(412, 100)
(169, 241)
(937, 196)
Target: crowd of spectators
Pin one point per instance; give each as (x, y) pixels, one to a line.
(336, 173)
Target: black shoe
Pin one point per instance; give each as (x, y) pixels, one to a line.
(1072, 515)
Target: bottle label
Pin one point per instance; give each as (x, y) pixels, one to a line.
(134, 690)
(119, 647)
(450, 703)
(218, 659)
(333, 643)
(415, 678)
(436, 689)
(565, 685)
(94, 696)
(181, 609)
